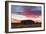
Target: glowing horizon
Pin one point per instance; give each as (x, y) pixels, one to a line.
(21, 17)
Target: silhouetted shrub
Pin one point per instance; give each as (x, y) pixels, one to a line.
(27, 22)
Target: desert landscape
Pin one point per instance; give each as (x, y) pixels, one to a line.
(26, 24)
(25, 16)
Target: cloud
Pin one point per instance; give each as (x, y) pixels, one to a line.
(21, 17)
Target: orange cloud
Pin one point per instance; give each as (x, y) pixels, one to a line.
(15, 21)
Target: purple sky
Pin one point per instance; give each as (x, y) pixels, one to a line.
(26, 10)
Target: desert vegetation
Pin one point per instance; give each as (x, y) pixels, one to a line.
(26, 24)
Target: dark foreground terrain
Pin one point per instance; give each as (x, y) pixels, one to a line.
(25, 24)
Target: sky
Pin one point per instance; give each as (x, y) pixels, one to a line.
(26, 12)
